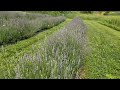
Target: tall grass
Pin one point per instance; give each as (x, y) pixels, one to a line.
(60, 56)
(14, 28)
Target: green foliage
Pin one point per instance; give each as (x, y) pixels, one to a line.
(53, 13)
(106, 12)
(86, 12)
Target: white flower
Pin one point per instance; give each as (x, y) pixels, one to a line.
(3, 25)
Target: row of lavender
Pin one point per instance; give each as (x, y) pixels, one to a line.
(60, 56)
(16, 25)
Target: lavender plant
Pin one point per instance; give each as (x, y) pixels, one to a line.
(26, 25)
(60, 57)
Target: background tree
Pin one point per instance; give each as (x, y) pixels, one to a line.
(87, 12)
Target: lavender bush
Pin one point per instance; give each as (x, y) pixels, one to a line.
(14, 28)
(60, 57)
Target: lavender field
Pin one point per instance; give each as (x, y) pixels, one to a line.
(59, 45)
(15, 26)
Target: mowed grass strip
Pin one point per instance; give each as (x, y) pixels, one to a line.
(104, 60)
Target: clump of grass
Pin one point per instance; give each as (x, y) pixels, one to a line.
(13, 29)
(60, 56)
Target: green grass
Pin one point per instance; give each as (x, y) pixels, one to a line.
(110, 21)
(113, 22)
(54, 13)
(10, 54)
(104, 59)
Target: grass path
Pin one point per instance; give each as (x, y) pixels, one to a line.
(104, 59)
